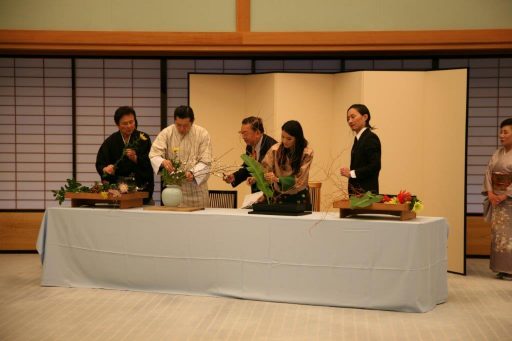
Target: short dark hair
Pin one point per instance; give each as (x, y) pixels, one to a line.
(255, 122)
(363, 110)
(506, 122)
(122, 111)
(184, 111)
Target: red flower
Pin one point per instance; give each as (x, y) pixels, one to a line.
(404, 197)
(385, 198)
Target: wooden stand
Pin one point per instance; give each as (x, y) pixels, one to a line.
(127, 200)
(400, 210)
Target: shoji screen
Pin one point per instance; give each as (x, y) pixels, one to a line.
(298, 65)
(35, 130)
(490, 102)
(177, 77)
(388, 64)
(102, 85)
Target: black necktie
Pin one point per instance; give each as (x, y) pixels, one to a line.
(354, 146)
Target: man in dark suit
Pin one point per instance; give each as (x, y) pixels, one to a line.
(258, 143)
(363, 174)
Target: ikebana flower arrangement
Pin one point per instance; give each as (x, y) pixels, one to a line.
(403, 197)
(287, 183)
(105, 190)
(177, 176)
(364, 200)
(257, 171)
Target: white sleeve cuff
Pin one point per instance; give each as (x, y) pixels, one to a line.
(201, 172)
(156, 162)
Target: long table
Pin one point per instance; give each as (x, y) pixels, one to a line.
(318, 259)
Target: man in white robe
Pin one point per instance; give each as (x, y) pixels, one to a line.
(194, 149)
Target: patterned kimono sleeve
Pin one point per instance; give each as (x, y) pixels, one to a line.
(508, 163)
(487, 185)
(302, 177)
(202, 168)
(268, 161)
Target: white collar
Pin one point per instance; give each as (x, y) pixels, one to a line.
(358, 136)
(258, 145)
(126, 141)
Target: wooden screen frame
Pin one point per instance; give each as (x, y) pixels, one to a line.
(243, 41)
(198, 43)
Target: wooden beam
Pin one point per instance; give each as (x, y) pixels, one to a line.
(243, 15)
(175, 43)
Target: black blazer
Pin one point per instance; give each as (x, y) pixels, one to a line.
(365, 161)
(242, 174)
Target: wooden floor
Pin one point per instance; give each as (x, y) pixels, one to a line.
(479, 307)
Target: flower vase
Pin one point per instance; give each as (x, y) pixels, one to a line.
(172, 195)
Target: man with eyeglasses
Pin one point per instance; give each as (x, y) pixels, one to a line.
(258, 143)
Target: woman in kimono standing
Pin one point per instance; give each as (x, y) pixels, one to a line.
(498, 189)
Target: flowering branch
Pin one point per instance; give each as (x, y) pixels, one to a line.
(178, 174)
(130, 145)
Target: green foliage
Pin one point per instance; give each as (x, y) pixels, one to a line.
(71, 186)
(413, 202)
(174, 178)
(287, 182)
(365, 200)
(257, 171)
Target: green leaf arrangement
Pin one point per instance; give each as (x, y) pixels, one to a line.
(365, 200)
(71, 186)
(257, 171)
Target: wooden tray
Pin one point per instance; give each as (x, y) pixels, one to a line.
(174, 209)
(400, 210)
(127, 200)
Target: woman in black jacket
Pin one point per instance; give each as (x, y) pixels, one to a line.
(363, 174)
